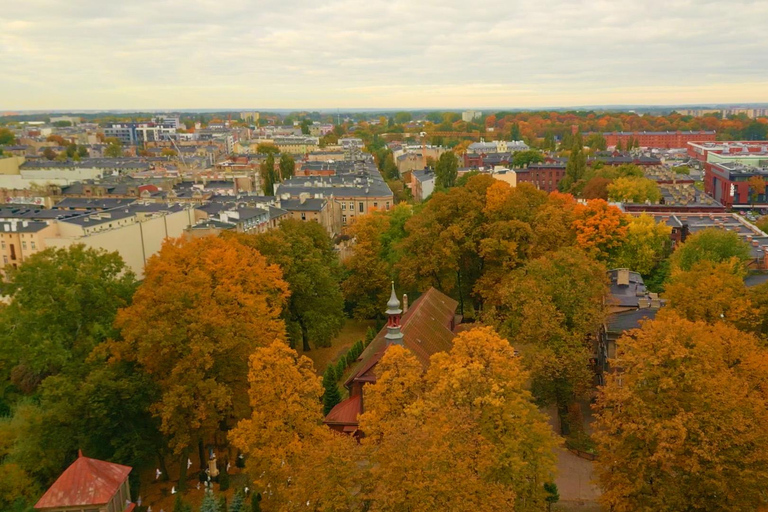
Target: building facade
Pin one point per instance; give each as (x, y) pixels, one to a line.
(662, 140)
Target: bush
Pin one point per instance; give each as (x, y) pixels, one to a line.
(340, 367)
(180, 505)
(255, 502)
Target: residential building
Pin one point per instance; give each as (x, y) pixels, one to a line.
(667, 139)
(89, 485)
(297, 144)
(250, 117)
(326, 212)
(357, 194)
(426, 328)
(543, 176)
(470, 115)
(422, 184)
(20, 239)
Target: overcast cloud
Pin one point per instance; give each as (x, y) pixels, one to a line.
(166, 54)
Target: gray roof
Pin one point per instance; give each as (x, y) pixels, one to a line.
(307, 205)
(88, 163)
(22, 226)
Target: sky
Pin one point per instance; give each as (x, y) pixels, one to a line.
(261, 54)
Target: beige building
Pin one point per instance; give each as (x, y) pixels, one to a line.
(327, 212)
(19, 239)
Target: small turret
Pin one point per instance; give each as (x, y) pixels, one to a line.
(393, 336)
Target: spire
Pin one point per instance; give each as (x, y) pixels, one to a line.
(393, 336)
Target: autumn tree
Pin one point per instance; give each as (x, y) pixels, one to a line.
(292, 457)
(446, 170)
(366, 284)
(596, 188)
(304, 252)
(550, 308)
(469, 417)
(710, 244)
(634, 190)
(713, 292)
(7, 138)
(756, 187)
(266, 148)
(114, 148)
(287, 166)
(681, 427)
(600, 228)
(202, 309)
(645, 245)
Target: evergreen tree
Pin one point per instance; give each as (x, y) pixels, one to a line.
(223, 479)
(553, 496)
(369, 335)
(222, 503)
(268, 177)
(618, 145)
(331, 396)
(577, 162)
(341, 366)
(238, 502)
(180, 505)
(446, 170)
(209, 503)
(256, 498)
(515, 132)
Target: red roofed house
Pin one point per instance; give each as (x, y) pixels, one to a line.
(89, 485)
(428, 327)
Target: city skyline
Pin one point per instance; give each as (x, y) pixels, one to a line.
(171, 55)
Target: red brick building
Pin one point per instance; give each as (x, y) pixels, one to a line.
(728, 183)
(663, 140)
(91, 485)
(427, 328)
(542, 176)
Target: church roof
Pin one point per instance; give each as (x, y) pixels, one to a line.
(345, 412)
(85, 482)
(426, 328)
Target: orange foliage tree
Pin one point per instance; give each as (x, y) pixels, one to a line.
(466, 432)
(202, 309)
(600, 228)
(682, 426)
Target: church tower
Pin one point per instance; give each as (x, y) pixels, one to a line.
(394, 336)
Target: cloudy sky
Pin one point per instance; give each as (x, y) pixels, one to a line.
(166, 54)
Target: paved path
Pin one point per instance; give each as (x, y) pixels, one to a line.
(574, 478)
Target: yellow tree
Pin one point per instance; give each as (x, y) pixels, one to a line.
(466, 433)
(632, 189)
(713, 292)
(294, 460)
(646, 244)
(203, 307)
(682, 427)
(366, 286)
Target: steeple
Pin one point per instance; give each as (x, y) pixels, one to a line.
(393, 336)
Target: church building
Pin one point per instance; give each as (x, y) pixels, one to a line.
(427, 327)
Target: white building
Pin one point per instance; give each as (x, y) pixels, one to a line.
(470, 115)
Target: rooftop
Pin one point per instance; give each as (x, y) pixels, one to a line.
(85, 482)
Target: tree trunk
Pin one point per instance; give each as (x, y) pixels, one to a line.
(161, 462)
(183, 470)
(304, 339)
(201, 454)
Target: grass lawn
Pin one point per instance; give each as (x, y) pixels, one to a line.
(352, 331)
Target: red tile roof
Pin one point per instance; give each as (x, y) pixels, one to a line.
(86, 482)
(345, 412)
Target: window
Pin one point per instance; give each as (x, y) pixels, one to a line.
(387, 205)
(375, 205)
(5, 259)
(3, 244)
(24, 244)
(362, 208)
(343, 206)
(303, 216)
(344, 219)
(33, 245)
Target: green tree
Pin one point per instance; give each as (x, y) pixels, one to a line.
(180, 505)
(597, 141)
(525, 158)
(713, 245)
(266, 148)
(446, 170)
(576, 167)
(63, 303)
(7, 138)
(644, 247)
(305, 124)
(268, 175)
(238, 502)
(514, 133)
(304, 251)
(210, 503)
(287, 166)
(634, 190)
(114, 149)
(331, 395)
(403, 117)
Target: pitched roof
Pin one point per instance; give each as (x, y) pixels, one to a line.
(345, 412)
(86, 482)
(426, 328)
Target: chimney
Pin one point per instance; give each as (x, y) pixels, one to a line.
(405, 303)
